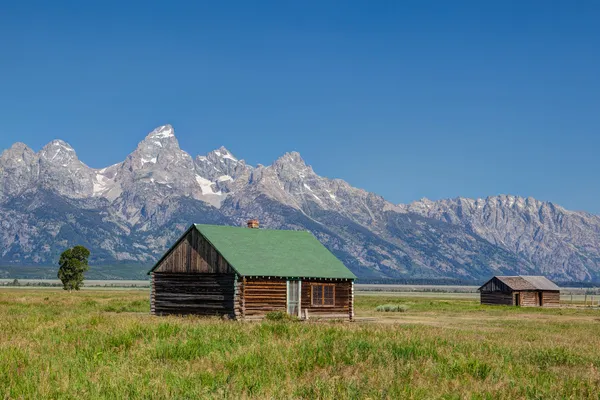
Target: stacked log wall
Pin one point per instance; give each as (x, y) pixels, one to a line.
(551, 299)
(193, 278)
(259, 296)
(200, 294)
(262, 295)
(152, 292)
(238, 298)
(528, 299)
(496, 298)
(342, 307)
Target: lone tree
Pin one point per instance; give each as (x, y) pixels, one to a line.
(73, 263)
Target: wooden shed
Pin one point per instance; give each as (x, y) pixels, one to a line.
(526, 291)
(244, 273)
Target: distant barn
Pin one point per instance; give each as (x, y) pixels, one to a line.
(526, 291)
(245, 273)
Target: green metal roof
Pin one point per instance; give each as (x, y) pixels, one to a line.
(266, 252)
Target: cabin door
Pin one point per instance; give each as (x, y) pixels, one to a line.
(517, 299)
(293, 297)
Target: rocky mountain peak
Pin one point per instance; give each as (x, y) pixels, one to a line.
(18, 169)
(160, 147)
(19, 155)
(291, 167)
(292, 157)
(58, 152)
(16, 150)
(222, 166)
(161, 170)
(223, 153)
(162, 132)
(60, 171)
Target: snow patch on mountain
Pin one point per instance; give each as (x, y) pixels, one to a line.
(165, 131)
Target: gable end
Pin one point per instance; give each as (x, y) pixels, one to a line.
(193, 253)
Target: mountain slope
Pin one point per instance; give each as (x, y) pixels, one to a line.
(561, 243)
(132, 211)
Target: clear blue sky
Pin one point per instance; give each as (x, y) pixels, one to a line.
(406, 99)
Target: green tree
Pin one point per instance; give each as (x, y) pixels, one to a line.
(73, 263)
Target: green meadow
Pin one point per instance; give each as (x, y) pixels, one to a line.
(104, 344)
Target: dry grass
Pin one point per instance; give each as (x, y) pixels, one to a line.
(99, 344)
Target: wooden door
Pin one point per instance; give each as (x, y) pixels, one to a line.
(293, 298)
(517, 299)
(541, 299)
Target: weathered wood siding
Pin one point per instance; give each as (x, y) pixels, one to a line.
(259, 296)
(532, 299)
(495, 292)
(496, 298)
(193, 278)
(263, 295)
(342, 307)
(528, 299)
(551, 299)
(152, 291)
(194, 254)
(201, 294)
(495, 285)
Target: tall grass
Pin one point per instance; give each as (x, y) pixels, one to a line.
(105, 345)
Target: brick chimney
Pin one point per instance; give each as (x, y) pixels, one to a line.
(253, 224)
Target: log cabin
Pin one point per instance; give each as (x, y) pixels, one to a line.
(245, 273)
(526, 291)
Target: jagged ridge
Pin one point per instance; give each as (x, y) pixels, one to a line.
(131, 211)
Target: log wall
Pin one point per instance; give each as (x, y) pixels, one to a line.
(258, 296)
(551, 299)
(342, 307)
(263, 295)
(192, 253)
(528, 299)
(496, 298)
(201, 294)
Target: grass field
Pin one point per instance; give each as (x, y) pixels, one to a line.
(103, 344)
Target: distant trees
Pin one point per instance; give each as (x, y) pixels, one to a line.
(73, 263)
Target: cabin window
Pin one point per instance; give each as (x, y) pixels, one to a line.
(323, 295)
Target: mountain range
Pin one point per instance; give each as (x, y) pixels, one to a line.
(131, 212)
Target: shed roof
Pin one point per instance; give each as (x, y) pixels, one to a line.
(267, 252)
(527, 282)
